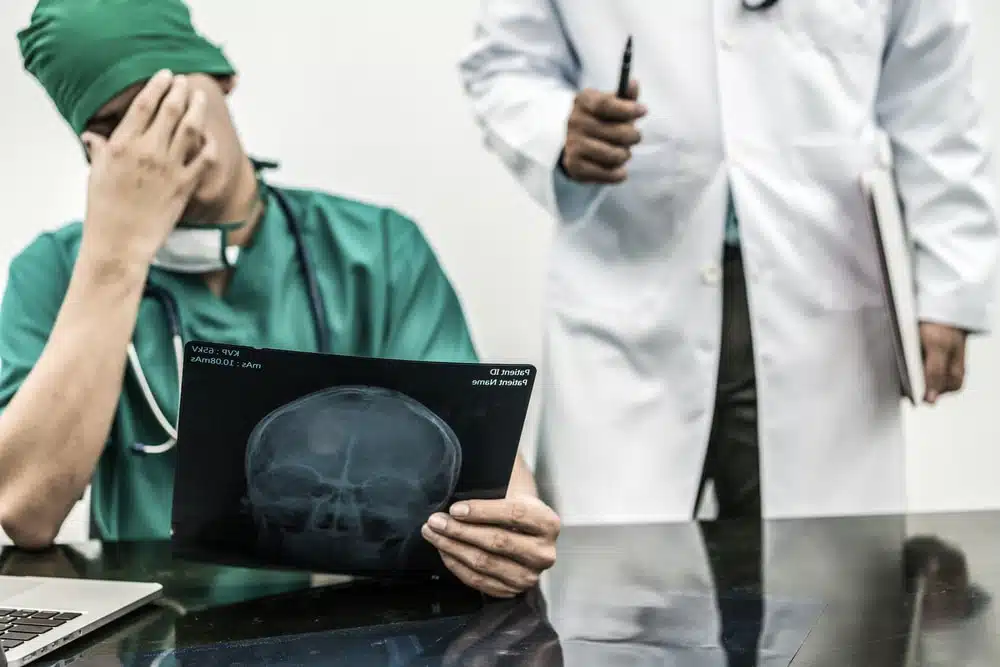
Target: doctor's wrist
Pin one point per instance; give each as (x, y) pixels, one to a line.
(103, 264)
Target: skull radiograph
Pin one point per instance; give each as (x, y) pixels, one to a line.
(345, 477)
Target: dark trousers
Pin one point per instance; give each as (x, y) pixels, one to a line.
(733, 464)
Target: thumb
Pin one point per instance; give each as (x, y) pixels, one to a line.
(935, 372)
(633, 90)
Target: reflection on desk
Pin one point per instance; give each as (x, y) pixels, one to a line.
(873, 591)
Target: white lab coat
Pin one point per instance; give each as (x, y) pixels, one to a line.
(786, 108)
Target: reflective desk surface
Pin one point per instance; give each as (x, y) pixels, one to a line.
(840, 592)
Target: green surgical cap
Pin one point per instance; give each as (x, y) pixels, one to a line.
(86, 52)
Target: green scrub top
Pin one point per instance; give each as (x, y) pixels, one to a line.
(385, 293)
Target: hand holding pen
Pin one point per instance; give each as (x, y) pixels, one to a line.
(601, 130)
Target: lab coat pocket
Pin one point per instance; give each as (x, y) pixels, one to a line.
(611, 258)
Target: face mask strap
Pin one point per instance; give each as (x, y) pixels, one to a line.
(259, 167)
(230, 255)
(227, 255)
(260, 164)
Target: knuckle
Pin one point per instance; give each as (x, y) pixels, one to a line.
(456, 568)
(518, 510)
(529, 580)
(547, 556)
(590, 101)
(117, 148)
(452, 528)
(171, 108)
(500, 541)
(482, 561)
(147, 160)
(142, 104)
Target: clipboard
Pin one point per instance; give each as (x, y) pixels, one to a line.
(896, 266)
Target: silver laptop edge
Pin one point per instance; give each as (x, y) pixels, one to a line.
(98, 602)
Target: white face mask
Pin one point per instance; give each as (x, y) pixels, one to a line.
(198, 249)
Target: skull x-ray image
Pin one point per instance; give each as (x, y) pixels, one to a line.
(347, 476)
(332, 463)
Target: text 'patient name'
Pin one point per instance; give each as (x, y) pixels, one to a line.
(504, 377)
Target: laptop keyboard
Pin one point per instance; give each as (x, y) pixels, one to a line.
(21, 625)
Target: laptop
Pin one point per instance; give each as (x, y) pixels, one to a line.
(40, 614)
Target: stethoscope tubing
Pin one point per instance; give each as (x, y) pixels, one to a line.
(172, 313)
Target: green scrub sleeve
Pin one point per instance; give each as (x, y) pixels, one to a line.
(36, 285)
(426, 320)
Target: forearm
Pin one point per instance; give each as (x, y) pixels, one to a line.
(522, 480)
(520, 78)
(931, 104)
(54, 428)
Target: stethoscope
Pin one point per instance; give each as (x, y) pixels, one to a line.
(169, 306)
(758, 5)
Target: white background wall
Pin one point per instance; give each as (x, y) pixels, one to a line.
(396, 130)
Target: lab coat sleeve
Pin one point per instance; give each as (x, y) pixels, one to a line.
(931, 107)
(37, 280)
(425, 319)
(520, 76)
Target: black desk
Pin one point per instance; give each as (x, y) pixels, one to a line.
(838, 592)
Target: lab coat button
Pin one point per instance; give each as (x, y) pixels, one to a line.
(711, 275)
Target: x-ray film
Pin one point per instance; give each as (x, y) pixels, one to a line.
(331, 463)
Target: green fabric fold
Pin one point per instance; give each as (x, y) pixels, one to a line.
(86, 52)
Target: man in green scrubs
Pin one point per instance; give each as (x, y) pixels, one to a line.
(146, 94)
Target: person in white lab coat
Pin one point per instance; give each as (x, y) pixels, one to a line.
(727, 203)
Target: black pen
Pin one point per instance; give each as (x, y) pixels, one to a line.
(626, 72)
